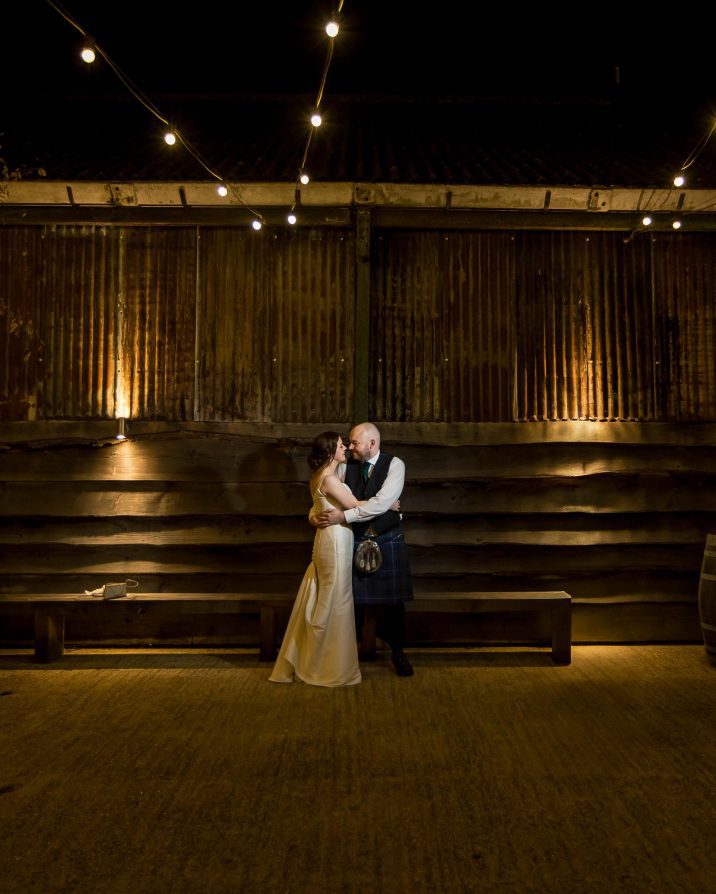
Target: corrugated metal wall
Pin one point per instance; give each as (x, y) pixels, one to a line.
(543, 325)
(464, 326)
(155, 378)
(584, 327)
(60, 288)
(22, 351)
(441, 326)
(685, 301)
(277, 325)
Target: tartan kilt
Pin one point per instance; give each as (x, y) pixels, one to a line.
(391, 583)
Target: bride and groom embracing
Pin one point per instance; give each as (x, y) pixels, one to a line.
(319, 646)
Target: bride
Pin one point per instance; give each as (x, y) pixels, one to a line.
(320, 642)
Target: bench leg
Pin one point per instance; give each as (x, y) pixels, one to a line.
(49, 636)
(562, 633)
(267, 641)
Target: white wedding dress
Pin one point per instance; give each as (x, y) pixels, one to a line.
(319, 646)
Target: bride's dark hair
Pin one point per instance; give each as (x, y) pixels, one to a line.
(323, 449)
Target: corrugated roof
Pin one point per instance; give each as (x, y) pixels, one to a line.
(366, 139)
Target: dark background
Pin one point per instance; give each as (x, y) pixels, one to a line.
(384, 47)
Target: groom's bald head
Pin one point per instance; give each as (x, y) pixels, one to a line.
(365, 441)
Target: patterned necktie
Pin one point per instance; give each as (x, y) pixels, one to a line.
(365, 471)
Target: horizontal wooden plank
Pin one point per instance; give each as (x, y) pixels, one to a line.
(634, 622)
(421, 530)
(609, 494)
(448, 434)
(190, 458)
(166, 604)
(605, 587)
(135, 561)
(104, 499)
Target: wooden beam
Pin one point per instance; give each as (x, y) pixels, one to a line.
(361, 398)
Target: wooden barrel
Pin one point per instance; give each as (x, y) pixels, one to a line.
(707, 597)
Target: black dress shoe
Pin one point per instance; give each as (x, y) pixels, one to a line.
(403, 668)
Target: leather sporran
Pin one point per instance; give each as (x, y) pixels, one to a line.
(367, 558)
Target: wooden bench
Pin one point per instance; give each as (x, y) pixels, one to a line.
(51, 611)
(557, 603)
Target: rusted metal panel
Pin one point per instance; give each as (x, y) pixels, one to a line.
(277, 325)
(81, 296)
(465, 326)
(441, 330)
(156, 364)
(685, 302)
(585, 327)
(22, 349)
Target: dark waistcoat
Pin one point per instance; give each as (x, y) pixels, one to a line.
(364, 490)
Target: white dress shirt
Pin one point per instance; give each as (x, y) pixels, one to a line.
(390, 491)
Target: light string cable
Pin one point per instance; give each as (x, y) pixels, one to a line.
(302, 175)
(142, 98)
(686, 164)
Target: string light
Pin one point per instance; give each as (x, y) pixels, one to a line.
(291, 218)
(222, 190)
(679, 180)
(332, 28)
(646, 221)
(88, 54)
(173, 135)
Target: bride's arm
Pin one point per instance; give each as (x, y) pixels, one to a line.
(333, 487)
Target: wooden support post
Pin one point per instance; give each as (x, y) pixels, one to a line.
(49, 635)
(361, 371)
(267, 641)
(562, 633)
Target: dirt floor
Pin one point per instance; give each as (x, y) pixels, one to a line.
(495, 772)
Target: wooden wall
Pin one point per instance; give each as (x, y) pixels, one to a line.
(550, 391)
(616, 514)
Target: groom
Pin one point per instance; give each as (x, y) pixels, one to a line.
(378, 478)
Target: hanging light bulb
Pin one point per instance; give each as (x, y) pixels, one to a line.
(316, 119)
(676, 224)
(170, 138)
(291, 218)
(679, 180)
(256, 224)
(88, 52)
(304, 178)
(332, 29)
(222, 190)
(646, 221)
